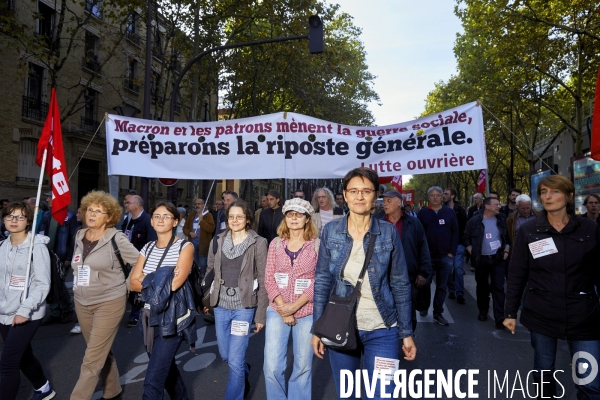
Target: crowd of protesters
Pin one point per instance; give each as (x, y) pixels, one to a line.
(277, 267)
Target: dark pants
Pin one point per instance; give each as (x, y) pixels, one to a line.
(17, 357)
(442, 267)
(135, 309)
(162, 373)
(489, 275)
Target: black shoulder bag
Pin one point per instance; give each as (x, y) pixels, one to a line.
(337, 325)
(125, 267)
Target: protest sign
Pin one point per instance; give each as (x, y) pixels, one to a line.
(295, 146)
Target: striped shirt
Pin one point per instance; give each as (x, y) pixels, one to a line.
(299, 278)
(157, 253)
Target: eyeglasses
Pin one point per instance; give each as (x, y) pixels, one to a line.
(165, 217)
(355, 192)
(292, 214)
(236, 217)
(95, 212)
(19, 218)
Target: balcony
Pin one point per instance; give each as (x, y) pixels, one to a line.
(131, 86)
(158, 53)
(6, 8)
(34, 109)
(133, 37)
(89, 125)
(178, 107)
(91, 64)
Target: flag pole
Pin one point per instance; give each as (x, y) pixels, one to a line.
(209, 192)
(34, 223)
(487, 184)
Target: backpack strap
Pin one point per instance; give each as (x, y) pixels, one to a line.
(317, 244)
(117, 251)
(277, 243)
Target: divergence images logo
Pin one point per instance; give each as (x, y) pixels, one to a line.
(582, 366)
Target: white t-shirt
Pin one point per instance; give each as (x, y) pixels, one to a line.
(157, 253)
(326, 216)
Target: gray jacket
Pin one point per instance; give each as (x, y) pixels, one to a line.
(13, 264)
(253, 267)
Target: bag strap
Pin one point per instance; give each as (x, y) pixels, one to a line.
(117, 252)
(368, 256)
(317, 245)
(277, 243)
(163, 256)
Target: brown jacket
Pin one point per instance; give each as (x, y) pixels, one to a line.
(253, 267)
(207, 227)
(511, 225)
(107, 281)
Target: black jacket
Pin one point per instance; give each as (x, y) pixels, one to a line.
(461, 217)
(64, 241)
(269, 222)
(474, 232)
(142, 230)
(560, 300)
(167, 307)
(414, 243)
(471, 211)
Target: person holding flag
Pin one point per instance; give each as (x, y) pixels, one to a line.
(21, 316)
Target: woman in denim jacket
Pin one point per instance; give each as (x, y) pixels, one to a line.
(383, 313)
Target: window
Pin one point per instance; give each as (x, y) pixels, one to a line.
(33, 107)
(93, 8)
(156, 90)
(27, 170)
(132, 74)
(131, 30)
(6, 7)
(45, 23)
(157, 48)
(91, 60)
(90, 108)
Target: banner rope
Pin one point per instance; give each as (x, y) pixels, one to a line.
(88, 145)
(515, 135)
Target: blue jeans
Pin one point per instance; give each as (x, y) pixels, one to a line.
(456, 281)
(443, 270)
(545, 354)
(233, 348)
(203, 264)
(277, 334)
(162, 373)
(377, 343)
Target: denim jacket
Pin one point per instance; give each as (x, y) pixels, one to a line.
(172, 312)
(388, 274)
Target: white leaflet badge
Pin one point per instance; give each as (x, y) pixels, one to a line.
(282, 280)
(77, 258)
(83, 275)
(301, 285)
(488, 235)
(442, 222)
(542, 248)
(239, 328)
(223, 226)
(495, 245)
(17, 282)
(386, 366)
(196, 226)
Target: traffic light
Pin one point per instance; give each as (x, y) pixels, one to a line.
(315, 34)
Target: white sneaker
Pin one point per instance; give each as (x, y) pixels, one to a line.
(76, 329)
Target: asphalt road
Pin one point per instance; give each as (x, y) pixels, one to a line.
(466, 344)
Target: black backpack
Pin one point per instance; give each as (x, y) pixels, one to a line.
(195, 280)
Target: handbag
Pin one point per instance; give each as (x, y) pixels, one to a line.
(337, 326)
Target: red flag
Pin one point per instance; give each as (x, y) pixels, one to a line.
(481, 181)
(397, 183)
(595, 145)
(56, 168)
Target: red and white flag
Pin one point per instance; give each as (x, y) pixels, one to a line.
(397, 183)
(595, 146)
(56, 168)
(481, 181)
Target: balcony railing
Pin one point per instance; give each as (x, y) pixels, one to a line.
(34, 109)
(89, 125)
(158, 53)
(133, 37)
(177, 108)
(91, 64)
(130, 85)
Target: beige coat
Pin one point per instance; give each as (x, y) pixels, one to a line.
(253, 267)
(107, 281)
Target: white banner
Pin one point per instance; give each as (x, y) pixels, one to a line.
(295, 146)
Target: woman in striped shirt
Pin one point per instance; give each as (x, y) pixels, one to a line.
(162, 373)
(289, 280)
